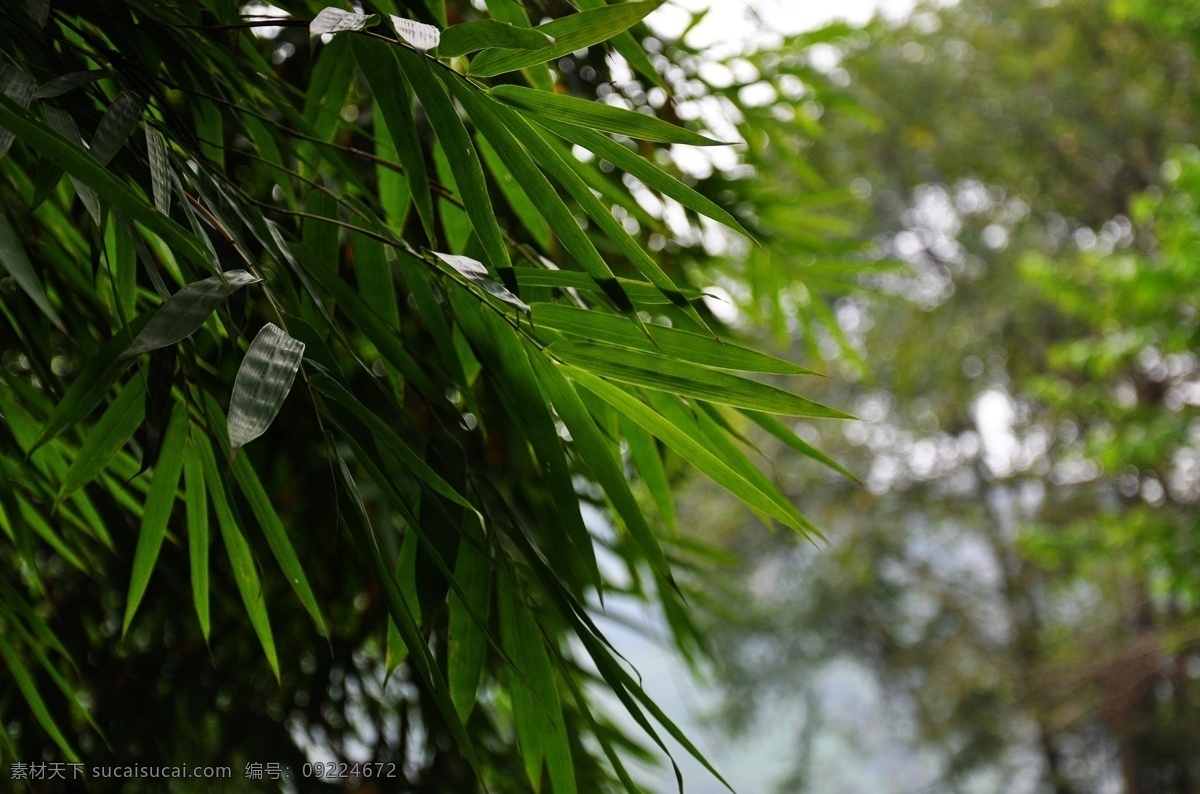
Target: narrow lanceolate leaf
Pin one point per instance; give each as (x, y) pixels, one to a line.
(262, 383)
(160, 180)
(474, 271)
(277, 539)
(335, 20)
(115, 427)
(187, 310)
(667, 374)
(19, 87)
(68, 82)
(640, 292)
(159, 502)
(64, 125)
(644, 453)
(684, 438)
(16, 262)
(419, 35)
(570, 33)
(119, 120)
(24, 681)
(675, 342)
(467, 640)
(563, 109)
(196, 500)
(484, 33)
(654, 177)
(241, 558)
(777, 429)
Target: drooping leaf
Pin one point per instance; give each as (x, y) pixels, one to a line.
(64, 125)
(160, 181)
(640, 292)
(263, 382)
(118, 121)
(159, 503)
(16, 262)
(664, 373)
(196, 501)
(19, 87)
(466, 640)
(186, 311)
(25, 683)
(777, 429)
(483, 33)
(69, 82)
(570, 33)
(419, 35)
(475, 273)
(565, 109)
(335, 20)
(114, 429)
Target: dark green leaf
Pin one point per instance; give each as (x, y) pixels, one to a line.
(483, 33)
(16, 262)
(114, 429)
(186, 311)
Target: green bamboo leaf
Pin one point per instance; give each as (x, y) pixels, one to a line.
(781, 432)
(565, 109)
(16, 262)
(640, 292)
(467, 640)
(115, 428)
(115, 126)
(667, 374)
(19, 87)
(263, 381)
(475, 273)
(277, 538)
(69, 82)
(160, 181)
(25, 683)
(66, 152)
(515, 195)
(159, 502)
(629, 48)
(160, 380)
(644, 453)
(186, 310)
(570, 33)
(685, 440)
(335, 20)
(539, 190)
(196, 501)
(64, 125)
(241, 558)
(537, 710)
(654, 177)
(468, 173)
(674, 342)
(483, 33)
(378, 63)
(417, 34)
(600, 458)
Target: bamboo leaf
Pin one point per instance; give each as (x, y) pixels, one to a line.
(674, 342)
(25, 683)
(16, 262)
(115, 428)
(667, 374)
(475, 273)
(241, 558)
(570, 33)
(644, 453)
(640, 292)
(467, 641)
(196, 501)
(160, 181)
(335, 20)
(263, 381)
(69, 82)
(483, 33)
(19, 87)
(564, 109)
(277, 538)
(159, 502)
(118, 121)
(64, 125)
(777, 429)
(417, 34)
(186, 310)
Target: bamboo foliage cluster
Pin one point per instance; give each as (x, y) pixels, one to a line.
(433, 289)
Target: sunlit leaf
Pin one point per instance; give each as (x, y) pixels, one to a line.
(421, 36)
(335, 20)
(263, 382)
(474, 272)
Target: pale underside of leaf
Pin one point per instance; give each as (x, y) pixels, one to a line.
(262, 383)
(187, 310)
(421, 36)
(474, 271)
(119, 120)
(160, 181)
(19, 87)
(335, 20)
